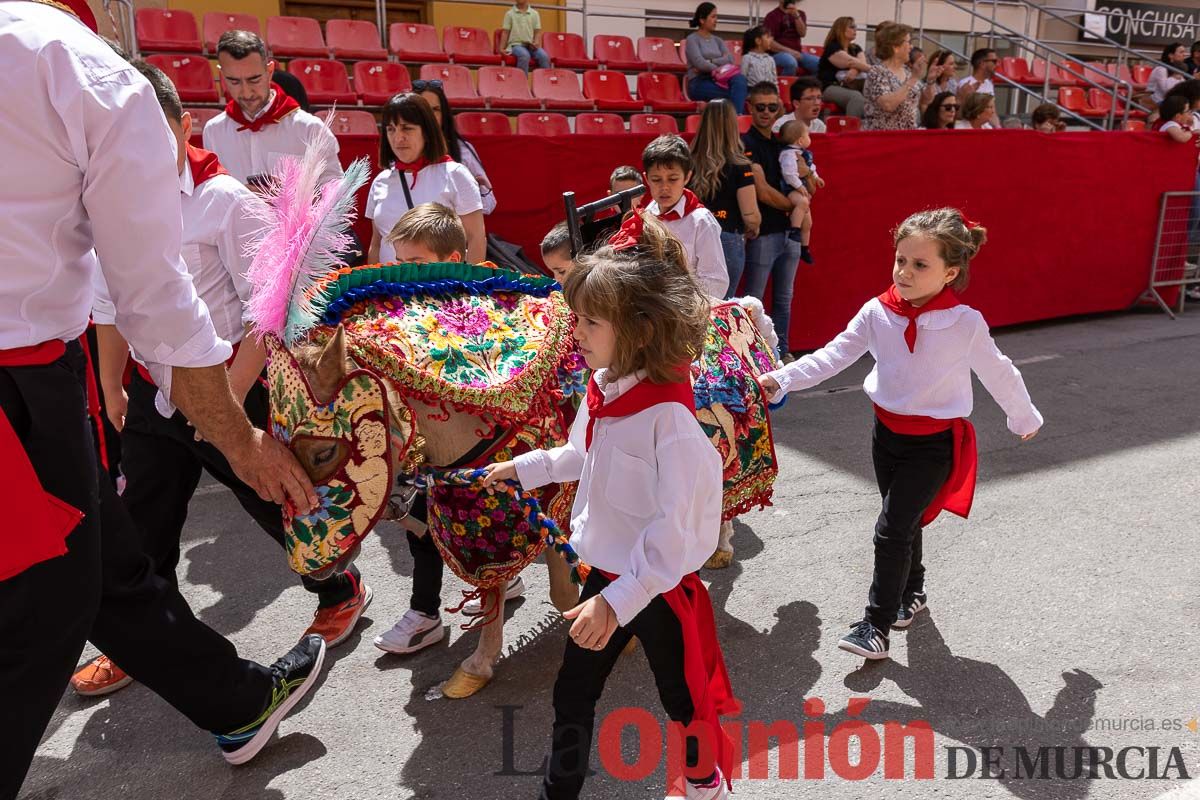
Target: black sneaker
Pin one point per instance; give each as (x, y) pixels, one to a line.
(865, 640)
(909, 608)
(806, 255)
(294, 675)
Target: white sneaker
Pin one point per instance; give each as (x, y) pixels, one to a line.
(516, 588)
(413, 632)
(718, 792)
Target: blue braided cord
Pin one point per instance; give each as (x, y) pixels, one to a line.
(439, 288)
(779, 405)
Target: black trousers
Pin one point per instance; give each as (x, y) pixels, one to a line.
(104, 589)
(581, 681)
(427, 564)
(162, 462)
(910, 471)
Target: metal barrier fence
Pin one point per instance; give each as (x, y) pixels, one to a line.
(1174, 267)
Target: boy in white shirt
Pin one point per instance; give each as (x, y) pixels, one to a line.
(667, 162)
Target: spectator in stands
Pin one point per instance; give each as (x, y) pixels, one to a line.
(293, 88)
(941, 113)
(771, 255)
(522, 36)
(915, 54)
(1192, 65)
(983, 69)
(1189, 90)
(806, 105)
(556, 251)
(417, 168)
(893, 90)
(757, 64)
(260, 122)
(723, 180)
(788, 25)
(977, 112)
(624, 177)
(1165, 75)
(939, 77)
(706, 54)
(1012, 124)
(1048, 119)
(837, 58)
(459, 148)
(1177, 118)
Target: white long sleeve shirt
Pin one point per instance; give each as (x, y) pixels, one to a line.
(89, 162)
(934, 380)
(648, 505)
(701, 236)
(253, 153)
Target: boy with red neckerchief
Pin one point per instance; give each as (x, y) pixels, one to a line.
(925, 344)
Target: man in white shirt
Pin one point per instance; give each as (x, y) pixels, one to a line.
(806, 106)
(983, 69)
(90, 180)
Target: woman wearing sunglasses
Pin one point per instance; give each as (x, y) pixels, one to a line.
(459, 148)
(941, 113)
(417, 168)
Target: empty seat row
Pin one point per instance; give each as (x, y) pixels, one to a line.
(551, 124)
(1094, 104)
(1039, 72)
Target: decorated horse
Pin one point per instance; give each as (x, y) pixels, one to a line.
(387, 378)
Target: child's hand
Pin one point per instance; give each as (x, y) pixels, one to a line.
(820, 182)
(502, 471)
(594, 623)
(769, 385)
(1029, 436)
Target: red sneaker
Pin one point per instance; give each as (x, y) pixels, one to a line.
(99, 677)
(335, 623)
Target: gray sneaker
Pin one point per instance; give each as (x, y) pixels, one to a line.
(415, 631)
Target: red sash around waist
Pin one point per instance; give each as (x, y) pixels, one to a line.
(46, 520)
(145, 373)
(703, 662)
(958, 492)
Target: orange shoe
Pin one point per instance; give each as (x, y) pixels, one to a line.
(335, 623)
(99, 677)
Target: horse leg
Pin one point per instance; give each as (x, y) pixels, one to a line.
(722, 557)
(564, 594)
(477, 670)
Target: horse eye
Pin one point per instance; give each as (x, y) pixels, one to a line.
(323, 457)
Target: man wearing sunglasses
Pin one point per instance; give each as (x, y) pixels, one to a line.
(772, 254)
(983, 69)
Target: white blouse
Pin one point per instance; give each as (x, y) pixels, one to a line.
(448, 183)
(934, 380)
(1160, 82)
(648, 506)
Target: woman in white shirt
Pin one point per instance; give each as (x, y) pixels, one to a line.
(418, 169)
(1169, 73)
(976, 112)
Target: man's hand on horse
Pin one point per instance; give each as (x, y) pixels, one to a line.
(595, 623)
(271, 470)
(500, 471)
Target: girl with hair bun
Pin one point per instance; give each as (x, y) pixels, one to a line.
(925, 344)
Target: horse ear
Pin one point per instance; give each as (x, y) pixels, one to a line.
(331, 366)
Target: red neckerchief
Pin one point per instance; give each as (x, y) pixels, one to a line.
(958, 492)
(690, 204)
(280, 107)
(203, 164)
(892, 301)
(415, 167)
(639, 397)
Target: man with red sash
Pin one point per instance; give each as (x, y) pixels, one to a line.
(88, 185)
(161, 458)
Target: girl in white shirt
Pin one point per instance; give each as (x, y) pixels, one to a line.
(418, 169)
(647, 508)
(925, 345)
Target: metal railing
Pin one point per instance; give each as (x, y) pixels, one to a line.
(1176, 242)
(126, 32)
(1105, 41)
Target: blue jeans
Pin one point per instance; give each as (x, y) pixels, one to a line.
(734, 247)
(774, 256)
(703, 87)
(523, 52)
(786, 63)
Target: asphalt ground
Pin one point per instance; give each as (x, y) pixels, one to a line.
(1062, 614)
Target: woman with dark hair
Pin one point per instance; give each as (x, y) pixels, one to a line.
(836, 59)
(417, 168)
(941, 113)
(460, 149)
(940, 77)
(711, 74)
(1168, 73)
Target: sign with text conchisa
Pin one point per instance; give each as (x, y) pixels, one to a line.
(1143, 23)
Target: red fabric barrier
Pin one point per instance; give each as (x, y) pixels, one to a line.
(1071, 217)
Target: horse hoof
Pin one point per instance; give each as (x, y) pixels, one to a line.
(719, 560)
(463, 684)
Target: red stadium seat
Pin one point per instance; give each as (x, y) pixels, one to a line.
(610, 90)
(785, 90)
(660, 53)
(479, 123)
(468, 45)
(1141, 75)
(1124, 73)
(692, 124)
(836, 124)
(295, 37)
(378, 81)
(567, 51)
(607, 124)
(351, 123)
(456, 83)
(324, 80)
(1133, 125)
(1072, 98)
(1069, 74)
(616, 52)
(559, 88)
(1015, 69)
(217, 22)
(1102, 101)
(745, 122)
(1037, 72)
(658, 124)
(506, 87)
(164, 29)
(200, 118)
(192, 76)
(417, 43)
(735, 50)
(352, 39)
(543, 125)
(661, 92)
